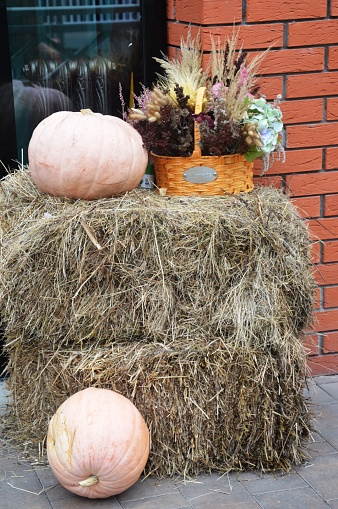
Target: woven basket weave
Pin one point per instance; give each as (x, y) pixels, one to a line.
(231, 174)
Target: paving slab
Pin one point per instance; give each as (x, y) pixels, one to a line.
(319, 395)
(207, 484)
(325, 379)
(248, 475)
(321, 473)
(75, 502)
(149, 487)
(271, 483)
(331, 389)
(323, 448)
(315, 437)
(326, 417)
(219, 500)
(22, 492)
(54, 490)
(17, 500)
(217, 491)
(170, 501)
(330, 435)
(302, 498)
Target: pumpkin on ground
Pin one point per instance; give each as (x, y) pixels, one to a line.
(86, 155)
(97, 443)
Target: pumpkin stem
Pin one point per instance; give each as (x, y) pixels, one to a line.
(87, 111)
(93, 479)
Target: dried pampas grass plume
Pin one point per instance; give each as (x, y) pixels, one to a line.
(224, 66)
(186, 70)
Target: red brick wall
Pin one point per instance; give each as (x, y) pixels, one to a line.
(302, 66)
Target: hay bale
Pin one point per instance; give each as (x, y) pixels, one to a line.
(208, 406)
(192, 307)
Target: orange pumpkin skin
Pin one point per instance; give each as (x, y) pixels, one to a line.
(86, 155)
(97, 443)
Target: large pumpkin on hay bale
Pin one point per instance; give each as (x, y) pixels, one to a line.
(86, 155)
(97, 443)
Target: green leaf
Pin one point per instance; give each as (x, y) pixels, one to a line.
(253, 153)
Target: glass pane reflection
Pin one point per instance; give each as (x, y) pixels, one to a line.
(71, 54)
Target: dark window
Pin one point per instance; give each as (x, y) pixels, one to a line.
(73, 54)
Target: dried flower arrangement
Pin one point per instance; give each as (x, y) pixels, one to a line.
(235, 117)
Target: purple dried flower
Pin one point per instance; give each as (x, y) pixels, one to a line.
(143, 98)
(202, 117)
(123, 104)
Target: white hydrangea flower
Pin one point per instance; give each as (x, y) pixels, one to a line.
(269, 122)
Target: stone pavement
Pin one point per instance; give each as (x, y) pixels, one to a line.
(313, 485)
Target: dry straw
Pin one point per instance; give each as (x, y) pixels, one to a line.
(192, 307)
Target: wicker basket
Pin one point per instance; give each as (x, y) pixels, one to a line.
(203, 175)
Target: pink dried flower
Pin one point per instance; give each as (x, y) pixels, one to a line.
(216, 89)
(244, 75)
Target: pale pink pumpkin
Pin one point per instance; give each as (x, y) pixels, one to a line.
(97, 443)
(86, 155)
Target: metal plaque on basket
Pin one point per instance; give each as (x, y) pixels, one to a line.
(200, 175)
